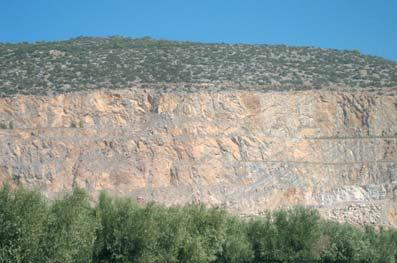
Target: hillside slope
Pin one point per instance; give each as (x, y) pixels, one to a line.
(107, 63)
(227, 137)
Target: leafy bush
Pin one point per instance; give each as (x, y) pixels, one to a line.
(70, 229)
(33, 229)
(23, 216)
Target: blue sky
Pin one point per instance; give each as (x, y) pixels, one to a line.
(369, 26)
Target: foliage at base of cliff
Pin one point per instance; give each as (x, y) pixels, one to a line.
(33, 229)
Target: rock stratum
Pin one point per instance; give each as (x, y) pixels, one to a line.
(323, 135)
(246, 151)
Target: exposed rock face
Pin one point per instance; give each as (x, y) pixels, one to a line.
(247, 151)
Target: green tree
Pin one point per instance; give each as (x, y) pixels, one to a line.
(236, 247)
(23, 215)
(70, 230)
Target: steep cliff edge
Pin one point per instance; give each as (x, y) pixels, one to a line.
(245, 150)
(247, 127)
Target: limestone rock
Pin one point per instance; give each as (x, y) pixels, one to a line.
(245, 150)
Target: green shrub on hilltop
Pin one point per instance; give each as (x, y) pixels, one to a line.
(33, 229)
(86, 63)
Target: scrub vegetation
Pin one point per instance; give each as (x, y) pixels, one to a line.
(87, 63)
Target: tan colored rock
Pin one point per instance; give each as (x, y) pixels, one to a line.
(246, 150)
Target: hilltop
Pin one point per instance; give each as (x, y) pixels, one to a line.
(87, 63)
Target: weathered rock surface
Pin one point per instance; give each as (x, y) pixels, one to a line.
(248, 151)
